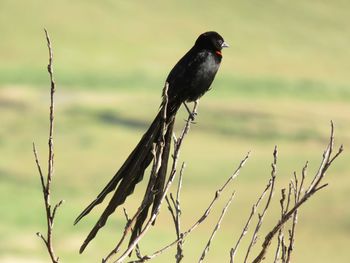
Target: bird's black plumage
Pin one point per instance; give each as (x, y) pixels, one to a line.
(190, 78)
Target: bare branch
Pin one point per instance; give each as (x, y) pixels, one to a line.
(280, 234)
(177, 215)
(270, 186)
(46, 188)
(284, 250)
(137, 248)
(289, 195)
(217, 226)
(56, 207)
(42, 238)
(202, 218)
(312, 189)
(179, 250)
(289, 209)
(52, 105)
(246, 227)
(340, 150)
(170, 208)
(42, 180)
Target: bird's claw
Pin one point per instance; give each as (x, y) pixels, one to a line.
(192, 116)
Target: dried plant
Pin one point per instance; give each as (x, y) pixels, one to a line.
(46, 184)
(290, 202)
(300, 197)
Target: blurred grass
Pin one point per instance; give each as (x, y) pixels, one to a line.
(284, 78)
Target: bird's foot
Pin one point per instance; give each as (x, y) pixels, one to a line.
(192, 116)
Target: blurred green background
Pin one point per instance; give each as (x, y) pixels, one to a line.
(286, 75)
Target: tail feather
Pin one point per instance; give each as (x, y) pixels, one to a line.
(144, 145)
(161, 177)
(158, 187)
(125, 188)
(132, 172)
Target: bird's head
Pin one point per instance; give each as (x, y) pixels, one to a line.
(211, 40)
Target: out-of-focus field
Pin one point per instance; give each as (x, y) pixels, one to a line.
(284, 78)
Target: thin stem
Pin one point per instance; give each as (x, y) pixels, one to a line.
(201, 219)
(46, 188)
(217, 226)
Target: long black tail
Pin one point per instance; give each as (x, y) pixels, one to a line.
(132, 172)
(156, 190)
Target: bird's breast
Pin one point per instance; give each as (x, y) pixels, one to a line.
(192, 75)
(204, 75)
(209, 66)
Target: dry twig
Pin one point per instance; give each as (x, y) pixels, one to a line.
(233, 250)
(297, 188)
(176, 215)
(280, 233)
(46, 187)
(271, 186)
(288, 210)
(137, 248)
(313, 188)
(201, 219)
(217, 226)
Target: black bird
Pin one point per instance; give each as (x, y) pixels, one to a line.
(190, 78)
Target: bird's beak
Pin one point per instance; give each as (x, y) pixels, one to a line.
(224, 44)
